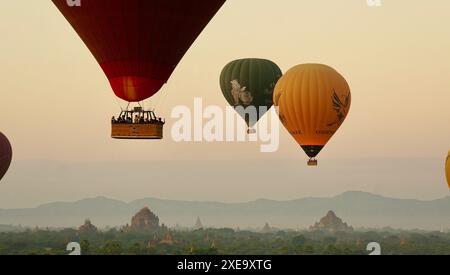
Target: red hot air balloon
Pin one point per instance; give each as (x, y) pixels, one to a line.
(5, 155)
(138, 43)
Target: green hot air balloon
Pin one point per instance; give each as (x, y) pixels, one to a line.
(250, 83)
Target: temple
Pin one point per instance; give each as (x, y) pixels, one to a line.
(331, 223)
(144, 220)
(87, 228)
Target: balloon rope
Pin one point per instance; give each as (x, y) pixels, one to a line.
(152, 104)
(118, 103)
(163, 97)
(158, 100)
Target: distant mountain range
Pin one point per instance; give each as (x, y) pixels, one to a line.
(356, 208)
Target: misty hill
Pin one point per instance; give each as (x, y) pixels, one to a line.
(356, 208)
(32, 183)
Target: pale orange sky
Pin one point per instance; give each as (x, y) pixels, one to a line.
(56, 103)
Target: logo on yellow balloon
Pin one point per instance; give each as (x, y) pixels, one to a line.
(341, 108)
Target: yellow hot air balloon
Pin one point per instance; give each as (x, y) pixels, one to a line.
(447, 168)
(313, 102)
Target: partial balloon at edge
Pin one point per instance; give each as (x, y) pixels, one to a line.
(5, 155)
(447, 169)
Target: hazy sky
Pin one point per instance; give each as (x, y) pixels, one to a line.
(56, 102)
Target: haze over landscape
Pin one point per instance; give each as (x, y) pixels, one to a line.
(372, 212)
(31, 183)
(56, 106)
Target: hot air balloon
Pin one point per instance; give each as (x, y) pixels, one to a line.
(447, 168)
(5, 155)
(250, 83)
(138, 44)
(313, 100)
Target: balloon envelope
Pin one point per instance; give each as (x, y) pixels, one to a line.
(5, 155)
(250, 82)
(447, 168)
(313, 101)
(138, 43)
